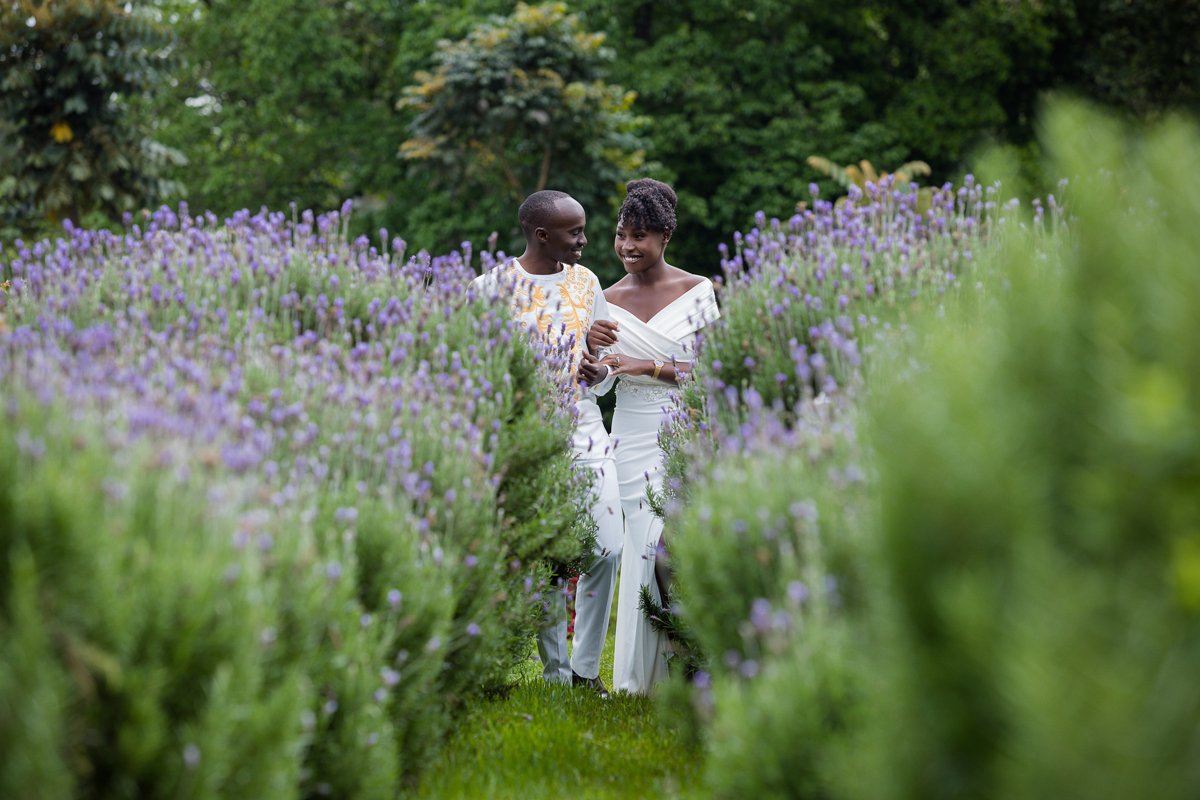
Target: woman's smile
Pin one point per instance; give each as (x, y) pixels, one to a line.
(640, 250)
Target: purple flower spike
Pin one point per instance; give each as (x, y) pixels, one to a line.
(797, 592)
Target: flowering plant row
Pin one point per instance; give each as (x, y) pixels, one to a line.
(287, 497)
(948, 546)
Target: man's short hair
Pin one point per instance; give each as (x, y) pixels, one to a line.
(537, 209)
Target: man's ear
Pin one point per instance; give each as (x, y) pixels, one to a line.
(541, 234)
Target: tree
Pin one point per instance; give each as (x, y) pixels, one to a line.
(742, 92)
(294, 101)
(70, 71)
(285, 101)
(1142, 56)
(521, 102)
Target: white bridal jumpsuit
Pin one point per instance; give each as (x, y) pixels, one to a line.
(643, 405)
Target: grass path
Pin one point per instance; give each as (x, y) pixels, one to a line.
(559, 742)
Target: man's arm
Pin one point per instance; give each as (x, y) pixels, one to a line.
(604, 380)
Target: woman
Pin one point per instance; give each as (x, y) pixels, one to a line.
(657, 310)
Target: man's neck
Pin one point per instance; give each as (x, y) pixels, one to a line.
(536, 265)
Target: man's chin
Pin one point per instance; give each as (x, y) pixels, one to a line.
(571, 257)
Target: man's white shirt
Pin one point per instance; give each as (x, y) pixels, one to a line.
(561, 307)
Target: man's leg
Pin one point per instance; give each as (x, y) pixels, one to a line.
(552, 639)
(594, 594)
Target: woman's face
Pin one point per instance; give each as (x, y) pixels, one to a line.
(639, 249)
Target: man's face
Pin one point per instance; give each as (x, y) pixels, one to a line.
(563, 235)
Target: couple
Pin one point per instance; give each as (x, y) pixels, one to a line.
(638, 333)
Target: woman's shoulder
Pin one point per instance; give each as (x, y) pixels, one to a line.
(684, 278)
(686, 281)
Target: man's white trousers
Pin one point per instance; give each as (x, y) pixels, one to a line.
(594, 593)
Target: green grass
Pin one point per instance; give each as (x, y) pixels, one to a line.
(559, 742)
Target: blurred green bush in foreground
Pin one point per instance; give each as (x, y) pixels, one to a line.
(1001, 598)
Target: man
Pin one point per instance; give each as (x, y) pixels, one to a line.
(560, 298)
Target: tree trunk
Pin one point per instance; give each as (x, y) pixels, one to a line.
(514, 185)
(544, 171)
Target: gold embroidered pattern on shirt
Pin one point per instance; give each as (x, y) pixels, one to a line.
(576, 297)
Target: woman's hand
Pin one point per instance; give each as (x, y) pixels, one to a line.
(627, 365)
(603, 333)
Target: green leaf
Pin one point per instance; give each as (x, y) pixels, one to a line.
(79, 170)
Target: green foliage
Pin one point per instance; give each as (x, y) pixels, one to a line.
(524, 95)
(285, 102)
(776, 735)
(171, 678)
(31, 694)
(282, 102)
(328, 650)
(685, 657)
(521, 103)
(742, 93)
(1016, 597)
(773, 549)
(1042, 554)
(739, 96)
(1134, 55)
(69, 138)
(757, 523)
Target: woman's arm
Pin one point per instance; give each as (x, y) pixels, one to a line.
(670, 372)
(603, 333)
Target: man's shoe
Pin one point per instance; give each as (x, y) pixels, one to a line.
(595, 684)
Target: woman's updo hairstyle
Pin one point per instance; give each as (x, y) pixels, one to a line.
(650, 205)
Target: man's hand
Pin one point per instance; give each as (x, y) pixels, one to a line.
(591, 371)
(603, 333)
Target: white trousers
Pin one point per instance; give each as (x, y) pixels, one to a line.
(594, 592)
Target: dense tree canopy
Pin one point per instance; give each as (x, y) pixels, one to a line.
(285, 101)
(68, 73)
(521, 103)
(524, 96)
(299, 101)
(741, 94)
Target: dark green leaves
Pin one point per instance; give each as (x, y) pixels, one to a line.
(71, 145)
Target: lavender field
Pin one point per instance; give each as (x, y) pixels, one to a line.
(276, 504)
(262, 473)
